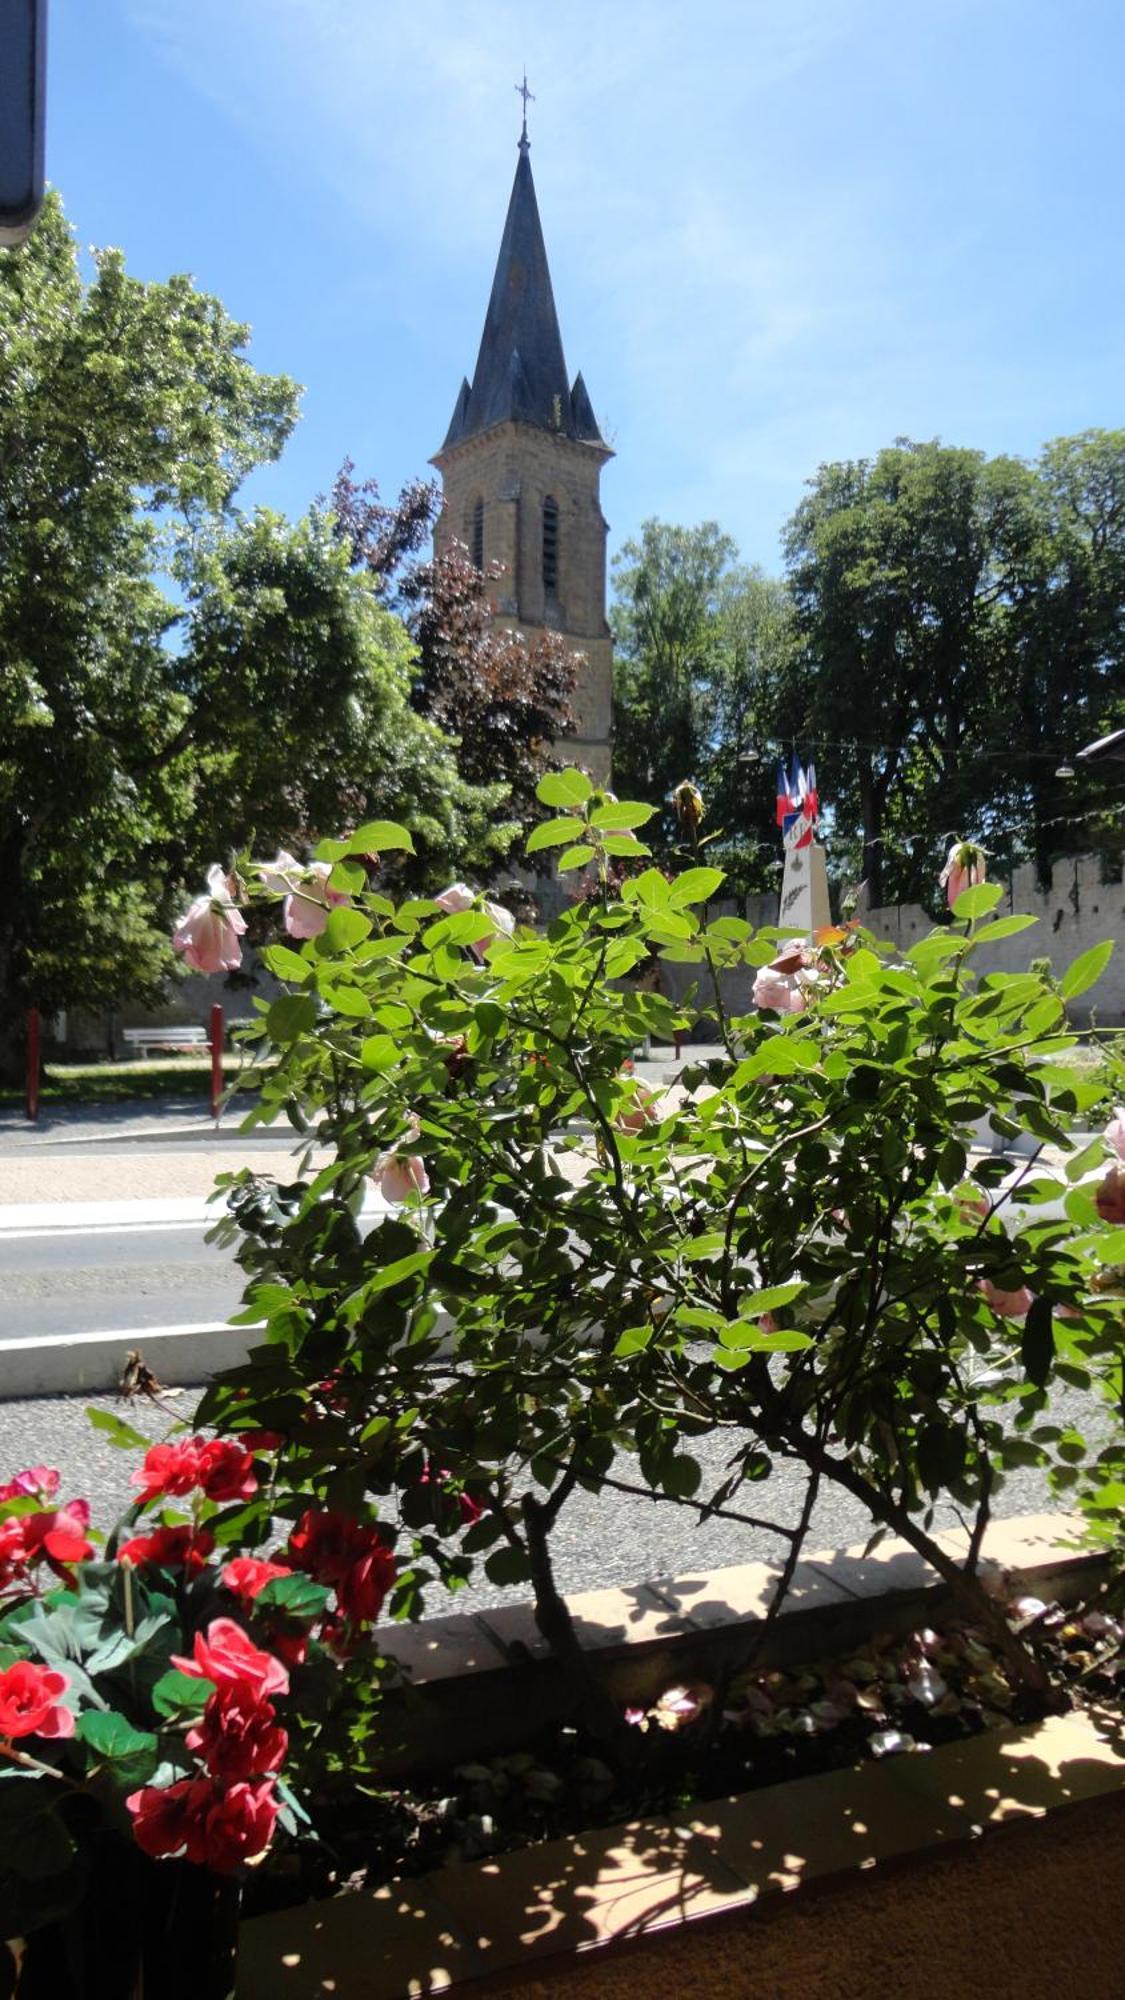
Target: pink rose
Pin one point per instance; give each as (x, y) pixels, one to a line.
(215, 1826)
(1114, 1132)
(456, 898)
(208, 933)
(182, 1547)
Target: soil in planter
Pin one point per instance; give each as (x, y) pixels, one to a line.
(893, 1696)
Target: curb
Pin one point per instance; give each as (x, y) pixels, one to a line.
(92, 1364)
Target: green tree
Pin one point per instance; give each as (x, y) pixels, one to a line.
(666, 631)
(298, 685)
(123, 406)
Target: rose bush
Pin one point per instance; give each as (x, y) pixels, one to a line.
(568, 1281)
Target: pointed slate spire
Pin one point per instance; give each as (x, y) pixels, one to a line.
(521, 373)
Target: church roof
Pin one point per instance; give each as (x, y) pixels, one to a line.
(520, 374)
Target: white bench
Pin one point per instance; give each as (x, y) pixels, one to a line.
(177, 1037)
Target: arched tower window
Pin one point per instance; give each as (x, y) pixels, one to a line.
(550, 546)
(476, 534)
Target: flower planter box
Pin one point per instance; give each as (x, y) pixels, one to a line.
(484, 1683)
(560, 1898)
(536, 1912)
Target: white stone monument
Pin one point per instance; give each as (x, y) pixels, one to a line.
(804, 885)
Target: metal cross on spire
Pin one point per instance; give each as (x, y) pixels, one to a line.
(528, 96)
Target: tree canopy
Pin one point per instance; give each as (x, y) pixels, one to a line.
(174, 674)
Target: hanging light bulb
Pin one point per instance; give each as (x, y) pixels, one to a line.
(1065, 770)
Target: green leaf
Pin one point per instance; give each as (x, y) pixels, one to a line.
(344, 930)
(396, 1273)
(298, 1595)
(380, 836)
(177, 1694)
(507, 1565)
(119, 1433)
(564, 788)
(285, 963)
(695, 885)
(1086, 970)
(113, 1738)
(622, 816)
(1003, 927)
(977, 901)
(747, 1334)
(770, 1300)
(633, 1339)
(1037, 1347)
(379, 1052)
(625, 845)
(575, 857)
(350, 1001)
(553, 833)
(290, 1017)
(650, 890)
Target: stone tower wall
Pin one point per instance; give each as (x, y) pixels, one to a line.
(514, 468)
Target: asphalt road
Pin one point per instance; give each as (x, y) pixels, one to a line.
(102, 1278)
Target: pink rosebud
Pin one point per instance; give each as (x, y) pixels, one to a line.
(1109, 1200)
(504, 924)
(456, 898)
(207, 934)
(1115, 1131)
(401, 1177)
(41, 1480)
(964, 868)
(1011, 1305)
(778, 991)
(308, 906)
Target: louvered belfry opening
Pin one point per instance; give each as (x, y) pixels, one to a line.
(476, 534)
(551, 546)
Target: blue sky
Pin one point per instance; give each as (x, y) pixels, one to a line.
(780, 231)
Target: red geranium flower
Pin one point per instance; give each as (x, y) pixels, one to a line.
(360, 1593)
(215, 1826)
(29, 1701)
(185, 1548)
(239, 1825)
(168, 1468)
(238, 1735)
(226, 1470)
(224, 1654)
(247, 1575)
(171, 1818)
(325, 1543)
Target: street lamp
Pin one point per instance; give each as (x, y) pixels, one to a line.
(23, 73)
(1107, 750)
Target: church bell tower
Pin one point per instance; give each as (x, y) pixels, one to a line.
(521, 470)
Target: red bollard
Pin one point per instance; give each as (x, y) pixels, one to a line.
(216, 1059)
(33, 1062)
